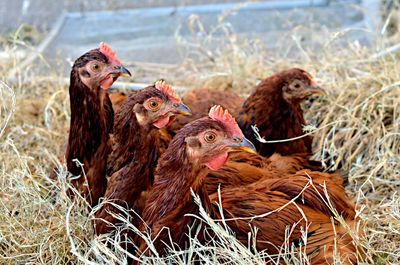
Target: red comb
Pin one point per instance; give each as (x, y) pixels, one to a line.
(217, 113)
(168, 90)
(109, 53)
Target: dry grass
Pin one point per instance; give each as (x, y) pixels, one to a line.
(359, 132)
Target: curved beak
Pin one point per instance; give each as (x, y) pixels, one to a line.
(182, 109)
(245, 145)
(314, 88)
(122, 71)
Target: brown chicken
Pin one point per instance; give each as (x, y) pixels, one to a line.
(135, 149)
(275, 103)
(274, 107)
(295, 203)
(91, 120)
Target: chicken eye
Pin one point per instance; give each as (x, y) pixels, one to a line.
(210, 137)
(95, 67)
(296, 85)
(154, 105)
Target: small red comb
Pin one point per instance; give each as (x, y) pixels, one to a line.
(217, 113)
(168, 90)
(109, 53)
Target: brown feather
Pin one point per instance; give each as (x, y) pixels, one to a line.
(291, 204)
(91, 123)
(244, 168)
(275, 117)
(131, 163)
(170, 199)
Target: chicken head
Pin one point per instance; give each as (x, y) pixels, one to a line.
(214, 138)
(298, 85)
(160, 107)
(100, 68)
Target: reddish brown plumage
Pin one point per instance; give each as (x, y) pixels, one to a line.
(135, 153)
(307, 213)
(201, 100)
(275, 108)
(170, 199)
(291, 207)
(244, 168)
(277, 116)
(131, 162)
(91, 122)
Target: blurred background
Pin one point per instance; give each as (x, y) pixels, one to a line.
(160, 34)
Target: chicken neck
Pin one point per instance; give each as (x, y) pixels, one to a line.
(171, 198)
(91, 123)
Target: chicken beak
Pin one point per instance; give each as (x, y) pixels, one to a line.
(245, 145)
(182, 109)
(124, 72)
(121, 71)
(314, 88)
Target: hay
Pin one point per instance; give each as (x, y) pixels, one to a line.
(360, 135)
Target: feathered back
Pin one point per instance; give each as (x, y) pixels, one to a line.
(201, 100)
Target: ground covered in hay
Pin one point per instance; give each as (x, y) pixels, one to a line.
(356, 129)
